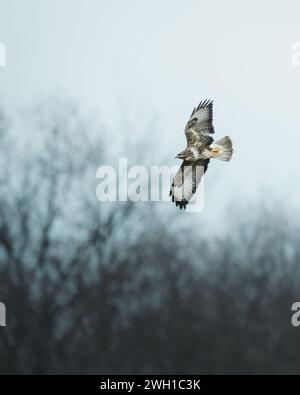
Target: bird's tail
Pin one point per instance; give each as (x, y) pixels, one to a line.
(222, 149)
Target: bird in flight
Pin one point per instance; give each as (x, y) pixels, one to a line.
(200, 149)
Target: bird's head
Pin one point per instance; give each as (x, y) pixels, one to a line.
(182, 155)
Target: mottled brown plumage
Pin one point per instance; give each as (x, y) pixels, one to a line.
(196, 156)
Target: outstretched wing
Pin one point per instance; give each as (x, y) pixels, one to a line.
(200, 124)
(186, 181)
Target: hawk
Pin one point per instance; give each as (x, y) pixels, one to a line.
(200, 149)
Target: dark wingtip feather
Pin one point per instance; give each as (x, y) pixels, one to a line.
(203, 104)
(181, 203)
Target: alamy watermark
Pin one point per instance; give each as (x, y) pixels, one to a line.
(2, 54)
(296, 316)
(295, 59)
(2, 314)
(141, 184)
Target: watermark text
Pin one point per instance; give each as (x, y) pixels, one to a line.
(2, 314)
(2, 54)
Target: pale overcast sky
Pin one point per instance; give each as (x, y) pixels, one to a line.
(165, 56)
